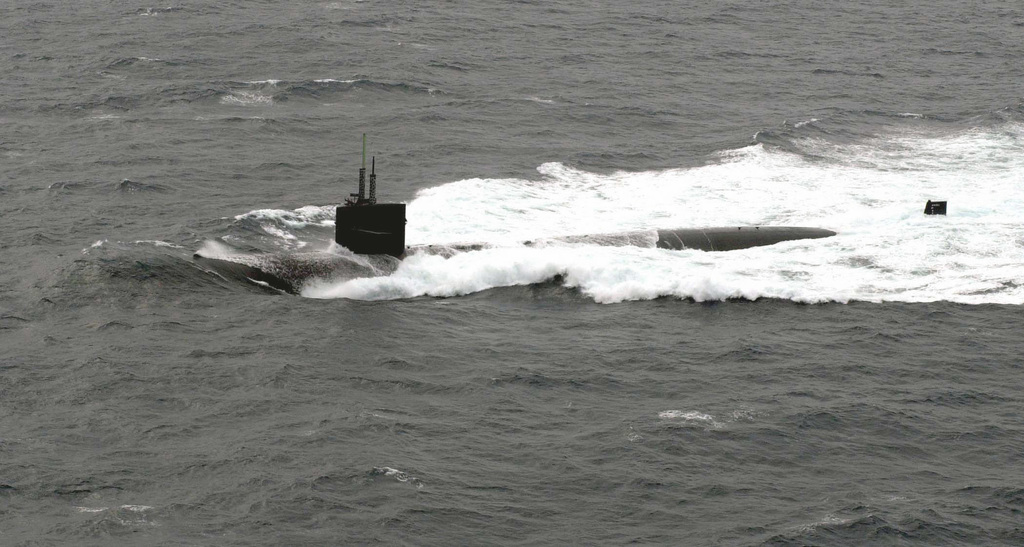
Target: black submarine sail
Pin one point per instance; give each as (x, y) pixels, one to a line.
(364, 226)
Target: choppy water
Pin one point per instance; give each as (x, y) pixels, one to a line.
(862, 389)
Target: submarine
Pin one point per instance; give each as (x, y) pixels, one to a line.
(364, 226)
(375, 234)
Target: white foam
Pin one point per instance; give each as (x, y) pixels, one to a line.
(872, 193)
(400, 476)
(217, 250)
(263, 284)
(157, 243)
(131, 508)
(692, 417)
(688, 415)
(278, 232)
(152, 12)
(298, 218)
(392, 472)
(246, 98)
(744, 415)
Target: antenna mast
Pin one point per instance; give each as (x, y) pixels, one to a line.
(366, 227)
(373, 180)
(362, 174)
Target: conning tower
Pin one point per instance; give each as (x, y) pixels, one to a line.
(364, 226)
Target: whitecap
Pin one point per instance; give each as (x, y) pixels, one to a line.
(298, 218)
(277, 232)
(744, 415)
(157, 243)
(246, 98)
(400, 476)
(152, 12)
(690, 416)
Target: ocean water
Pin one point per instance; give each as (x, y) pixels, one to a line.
(856, 390)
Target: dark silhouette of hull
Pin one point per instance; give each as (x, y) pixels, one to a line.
(732, 239)
(288, 273)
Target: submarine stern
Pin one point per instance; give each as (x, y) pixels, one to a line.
(735, 238)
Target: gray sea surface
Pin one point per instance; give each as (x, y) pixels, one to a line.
(857, 391)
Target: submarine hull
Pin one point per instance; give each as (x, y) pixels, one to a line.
(237, 271)
(380, 253)
(735, 238)
(288, 273)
